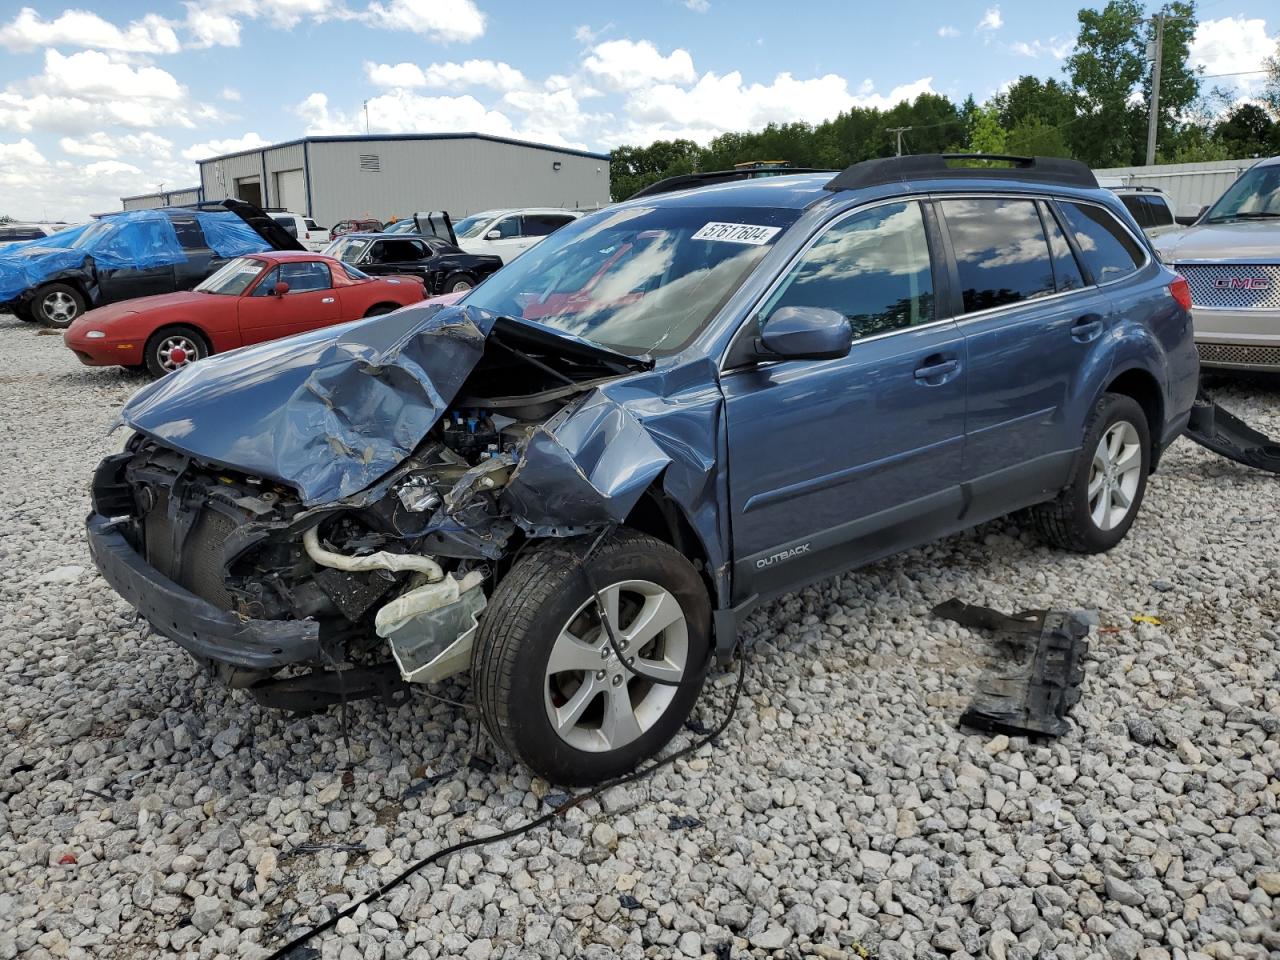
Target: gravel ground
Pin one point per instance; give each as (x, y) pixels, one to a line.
(146, 811)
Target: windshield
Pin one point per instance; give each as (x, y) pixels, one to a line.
(233, 278)
(402, 226)
(93, 234)
(350, 248)
(638, 280)
(469, 227)
(1255, 196)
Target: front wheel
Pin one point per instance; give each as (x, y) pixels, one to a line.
(549, 687)
(172, 348)
(57, 304)
(1098, 507)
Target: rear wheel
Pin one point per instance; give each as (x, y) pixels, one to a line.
(1096, 510)
(551, 690)
(459, 282)
(379, 309)
(57, 304)
(172, 348)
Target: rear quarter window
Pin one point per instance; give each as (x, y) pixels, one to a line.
(1109, 251)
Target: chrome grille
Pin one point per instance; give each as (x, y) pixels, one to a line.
(1222, 286)
(1238, 354)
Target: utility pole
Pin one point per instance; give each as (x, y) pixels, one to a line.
(899, 131)
(1153, 119)
(366, 117)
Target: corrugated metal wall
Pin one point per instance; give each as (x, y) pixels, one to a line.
(1191, 185)
(400, 177)
(278, 161)
(219, 176)
(170, 198)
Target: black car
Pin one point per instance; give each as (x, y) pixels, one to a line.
(135, 253)
(443, 267)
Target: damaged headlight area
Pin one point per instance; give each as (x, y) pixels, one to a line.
(258, 586)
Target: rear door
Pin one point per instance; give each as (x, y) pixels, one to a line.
(201, 260)
(835, 462)
(311, 302)
(1030, 328)
(126, 283)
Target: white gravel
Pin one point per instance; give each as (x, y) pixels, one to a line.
(145, 811)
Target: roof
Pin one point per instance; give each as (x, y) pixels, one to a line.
(796, 191)
(391, 137)
(288, 255)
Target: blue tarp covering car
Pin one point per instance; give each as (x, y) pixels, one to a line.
(125, 255)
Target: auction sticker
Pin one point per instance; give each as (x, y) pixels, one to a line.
(737, 233)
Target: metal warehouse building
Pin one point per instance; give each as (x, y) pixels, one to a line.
(165, 198)
(332, 178)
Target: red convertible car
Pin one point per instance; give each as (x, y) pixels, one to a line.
(253, 298)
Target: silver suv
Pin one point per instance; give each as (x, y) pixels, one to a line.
(1231, 259)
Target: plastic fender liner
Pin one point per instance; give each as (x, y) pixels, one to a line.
(1228, 436)
(586, 466)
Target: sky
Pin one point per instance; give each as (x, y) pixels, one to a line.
(111, 98)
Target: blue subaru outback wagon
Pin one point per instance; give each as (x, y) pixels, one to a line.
(575, 482)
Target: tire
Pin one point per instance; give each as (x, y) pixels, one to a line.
(23, 312)
(459, 281)
(164, 345)
(57, 305)
(380, 309)
(546, 593)
(1077, 521)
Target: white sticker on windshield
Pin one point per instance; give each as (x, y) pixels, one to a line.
(737, 233)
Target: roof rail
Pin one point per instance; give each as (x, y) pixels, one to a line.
(687, 181)
(936, 166)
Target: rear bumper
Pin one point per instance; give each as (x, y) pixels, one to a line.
(193, 623)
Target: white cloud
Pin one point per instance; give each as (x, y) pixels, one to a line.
(230, 94)
(473, 73)
(80, 28)
(698, 6)
(1232, 45)
(211, 28)
(991, 19)
(216, 148)
(94, 75)
(632, 65)
(1053, 47)
(948, 31)
(720, 104)
(103, 146)
(446, 20)
(587, 36)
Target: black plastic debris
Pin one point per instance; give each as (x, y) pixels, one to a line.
(683, 823)
(628, 902)
(723, 950)
(1228, 436)
(1032, 689)
(556, 800)
(426, 783)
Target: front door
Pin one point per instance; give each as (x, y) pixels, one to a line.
(1030, 327)
(833, 463)
(310, 302)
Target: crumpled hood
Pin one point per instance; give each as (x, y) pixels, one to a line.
(326, 412)
(330, 411)
(1242, 240)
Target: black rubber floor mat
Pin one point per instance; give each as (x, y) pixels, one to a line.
(1030, 691)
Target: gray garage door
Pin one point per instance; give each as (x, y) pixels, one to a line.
(291, 191)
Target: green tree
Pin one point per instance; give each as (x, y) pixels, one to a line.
(1035, 138)
(631, 168)
(1247, 131)
(1105, 70)
(1271, 86)
(1030, 98)
(988, 136)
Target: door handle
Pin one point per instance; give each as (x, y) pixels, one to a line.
(1087, 327)
(935, 368)
(326, 300)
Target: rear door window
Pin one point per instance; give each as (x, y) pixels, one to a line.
(1108, 249)
(542, 224)
(1066, 271)
(290, 226)
(1002, 254)
(1137, 206)
(1159, 212)
(190, 233)
(873, 267)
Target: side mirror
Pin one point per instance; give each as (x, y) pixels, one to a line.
(804, 333)
(280, 289)
(493, 235)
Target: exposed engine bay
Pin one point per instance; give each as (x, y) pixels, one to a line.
(402, 566)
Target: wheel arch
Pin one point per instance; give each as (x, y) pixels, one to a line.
(188, 325)
(662, 517)
(390, 304)
(1140, 385)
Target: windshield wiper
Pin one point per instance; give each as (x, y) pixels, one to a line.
(1260, 215)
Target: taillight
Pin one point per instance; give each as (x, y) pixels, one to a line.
(1180, 290)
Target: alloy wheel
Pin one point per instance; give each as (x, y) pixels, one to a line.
(177, 350)
(58, 307)
(593, 701)
(1114, 475)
